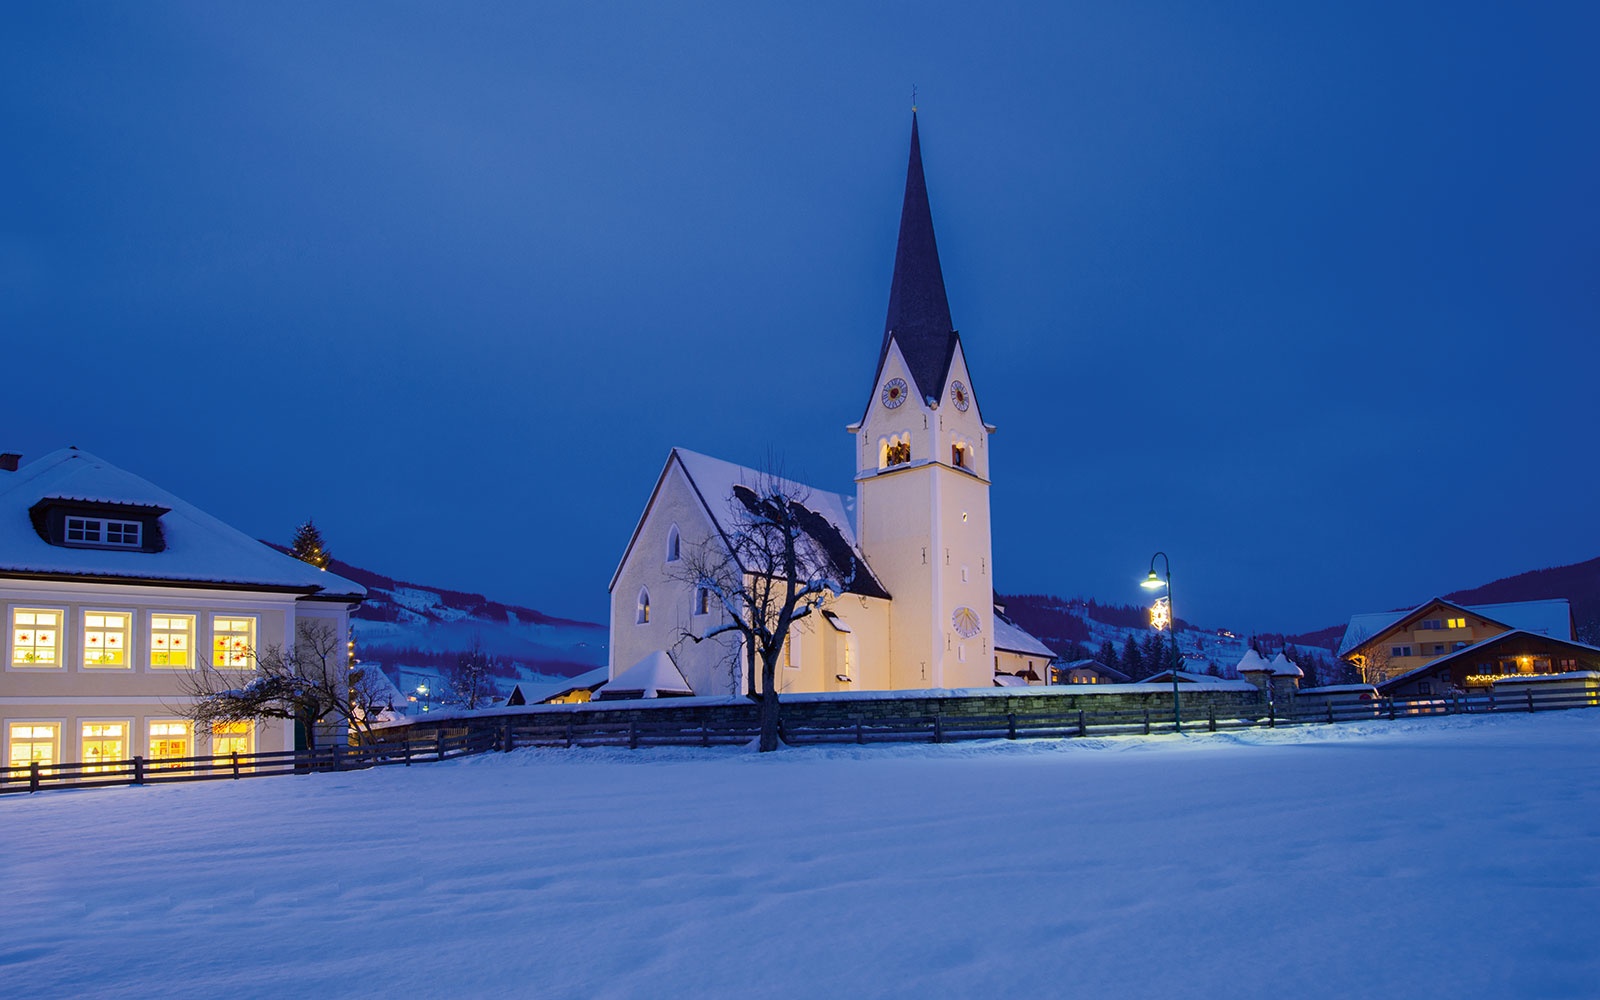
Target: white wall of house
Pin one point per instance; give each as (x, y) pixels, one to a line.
(114, 659)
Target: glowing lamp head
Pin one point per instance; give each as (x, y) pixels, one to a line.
(1152, 582)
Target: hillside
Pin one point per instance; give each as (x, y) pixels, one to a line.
(405, 627)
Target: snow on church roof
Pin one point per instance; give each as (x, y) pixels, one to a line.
(834, 532)
(1010, 638)
(197, 547)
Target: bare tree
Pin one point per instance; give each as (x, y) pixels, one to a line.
(1370, 665)
(769, 568)
(308, 681)
(469, 678)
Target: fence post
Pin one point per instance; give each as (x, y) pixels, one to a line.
(1530, 699)
(236, 764)
(1213, 717)
(33, 776)
(438, 744)
(1330, 711)
(938, 729)
(1147, 721)
(333, 753)
(569, 732)
(138, 770)
(405, 753)
(1272, 716)
(633, 732)
(1391, 709)
(859, 737)
(1011, 725)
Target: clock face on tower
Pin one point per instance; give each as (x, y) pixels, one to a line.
(894, 392)
(960, 396)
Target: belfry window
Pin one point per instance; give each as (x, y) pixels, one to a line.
(894, 451)
(642, 616)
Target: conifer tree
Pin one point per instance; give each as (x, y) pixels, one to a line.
(1132, 662)
(307, 546)
(1108, 653)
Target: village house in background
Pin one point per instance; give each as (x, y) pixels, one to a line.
(115, 592)
(1442, 648)
(911, 546)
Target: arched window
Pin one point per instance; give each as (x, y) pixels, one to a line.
(894, 450)
(674, 544)
(643, 616)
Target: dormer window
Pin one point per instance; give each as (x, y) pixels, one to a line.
(103, 531)
(98, 524)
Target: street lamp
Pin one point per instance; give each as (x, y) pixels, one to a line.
(1154, 582)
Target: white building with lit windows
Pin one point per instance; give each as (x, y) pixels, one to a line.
(114, 590)
(913, 541)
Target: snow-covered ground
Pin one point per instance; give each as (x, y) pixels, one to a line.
(1449, 858)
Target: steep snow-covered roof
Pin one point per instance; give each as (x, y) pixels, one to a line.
(1185, 677)
(653, 676)
(1549, 617)
(1281, 666)
(197, 548)
(1011, 638)
(833, 533)
(1253, 663)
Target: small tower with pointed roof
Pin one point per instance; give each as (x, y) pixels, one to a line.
(922, 479)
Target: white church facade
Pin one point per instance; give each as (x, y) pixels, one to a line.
(917, 607)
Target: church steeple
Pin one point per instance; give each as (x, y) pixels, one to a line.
(919, 312)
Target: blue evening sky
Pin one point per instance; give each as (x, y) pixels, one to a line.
(1304, 294)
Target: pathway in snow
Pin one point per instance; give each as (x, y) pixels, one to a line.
(1435, 858)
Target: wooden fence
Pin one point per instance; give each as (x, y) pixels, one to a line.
(463, 737)
(34, 776)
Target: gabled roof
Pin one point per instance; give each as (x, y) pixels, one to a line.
(197, 547)
(1480, 648)
(1097, 667)
(1549, 617)
(919, 312)
(718, 485)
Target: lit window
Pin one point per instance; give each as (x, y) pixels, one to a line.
(32, 741)
(702, 600)
(104, 744)
(228, 738)
(101, 531)
(172, 641)
(1455, 623)
(642, 611)
(960, 455)
(170, 740)
(35, 637)
(674, 544)
(105, 638)
(232, 639)
(895, 450)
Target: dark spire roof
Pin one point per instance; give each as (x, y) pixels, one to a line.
(919, 313)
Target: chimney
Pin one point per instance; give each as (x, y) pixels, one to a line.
(8, 461)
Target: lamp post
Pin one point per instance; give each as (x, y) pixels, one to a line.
(1154, 582)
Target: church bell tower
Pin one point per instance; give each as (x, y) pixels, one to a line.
(922, 479)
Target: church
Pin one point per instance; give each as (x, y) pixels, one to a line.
(917, 606)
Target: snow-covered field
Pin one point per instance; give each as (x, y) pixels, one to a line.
(1450, 858)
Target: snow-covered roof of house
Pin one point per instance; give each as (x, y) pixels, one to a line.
(195, 547)
(1478, 648)
(1009, 681)
(1282, 666)
(653, 676)
(1184, 677)
(1549, 617)
(536, 694)
(1011, 638)
(831, 531)
(1098, 667)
